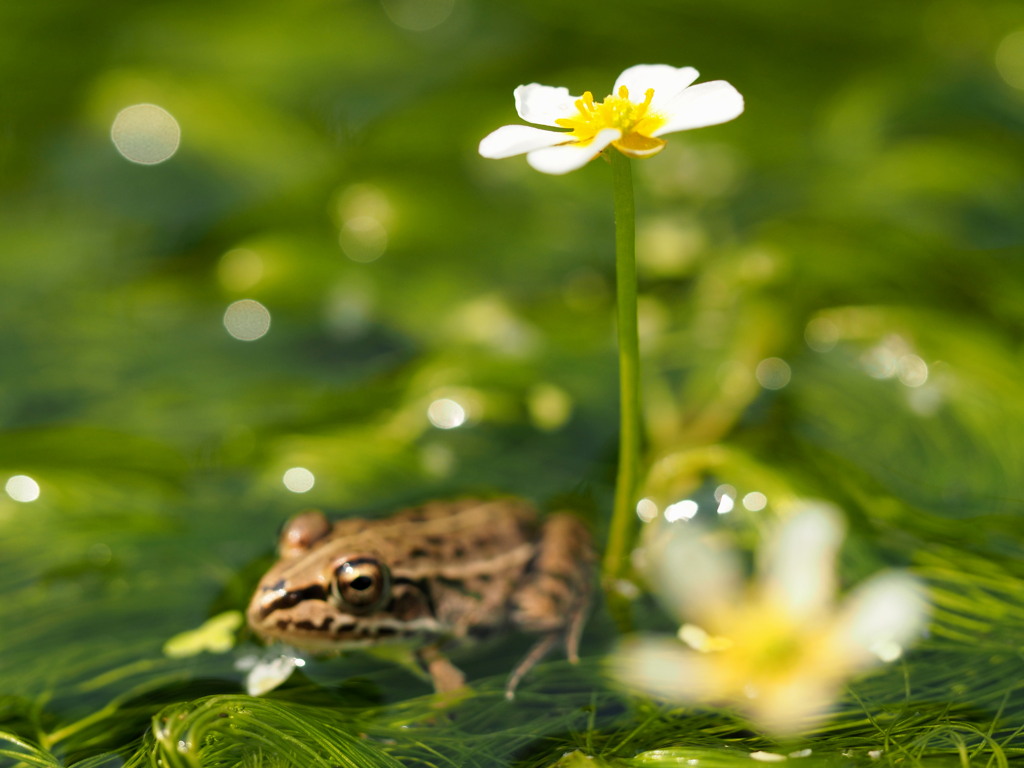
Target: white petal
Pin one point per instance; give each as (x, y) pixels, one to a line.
(663, 667)
(799, 568)
(667, 82)
(544, 104)
(269, 672)
(880, 618)
(790, 706)
(697, 576)
(701, 105)
(510, 140)
(568, 157)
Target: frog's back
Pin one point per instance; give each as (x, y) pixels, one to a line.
(446, 539)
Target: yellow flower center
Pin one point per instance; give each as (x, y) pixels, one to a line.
(634, 120)
(763, 652)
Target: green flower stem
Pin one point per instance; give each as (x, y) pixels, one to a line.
(616, 556)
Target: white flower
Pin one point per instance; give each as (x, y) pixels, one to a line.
(269, 670)
(648, 101)
(778, 649)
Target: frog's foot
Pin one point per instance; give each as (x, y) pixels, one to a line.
(574, 631)
(555, 595)
(536, 654)
(570, 632)
(446, 676)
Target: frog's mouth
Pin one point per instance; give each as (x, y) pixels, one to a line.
(309, 619)
(331, 634)
(277, 598)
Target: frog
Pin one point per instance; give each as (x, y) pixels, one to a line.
(431, 578)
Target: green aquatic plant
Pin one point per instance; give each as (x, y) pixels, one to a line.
(829, 306)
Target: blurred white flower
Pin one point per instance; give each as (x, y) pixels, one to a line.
(269, 670)
(779, 649)
(648, 101)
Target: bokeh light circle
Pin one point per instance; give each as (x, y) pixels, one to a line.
(445, 413)
(145, 134)
(298, 480)
(1009, 59)
(247, 320)
(418, 15)
(773, 373)
(22, 488)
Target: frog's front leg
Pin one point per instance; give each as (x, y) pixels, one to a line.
(446, 676)
(555, 593)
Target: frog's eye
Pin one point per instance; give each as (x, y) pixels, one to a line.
(361, 584)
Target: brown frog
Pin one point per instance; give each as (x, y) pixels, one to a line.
(430, 576)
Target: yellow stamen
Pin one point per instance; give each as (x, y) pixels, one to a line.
(634, 121)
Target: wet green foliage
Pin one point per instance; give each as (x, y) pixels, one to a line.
(861, 222)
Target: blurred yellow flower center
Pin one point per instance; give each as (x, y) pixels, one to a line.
(634, 120)
(759, 649)
(767, 653)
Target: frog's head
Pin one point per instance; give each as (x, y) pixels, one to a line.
(322, 595)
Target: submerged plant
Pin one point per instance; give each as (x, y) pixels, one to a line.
(780, 648)
(647, 102)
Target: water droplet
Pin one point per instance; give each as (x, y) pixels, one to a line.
(726, 497)
(767, 757)
(681, 510)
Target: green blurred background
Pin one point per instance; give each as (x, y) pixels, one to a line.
(832, 303)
